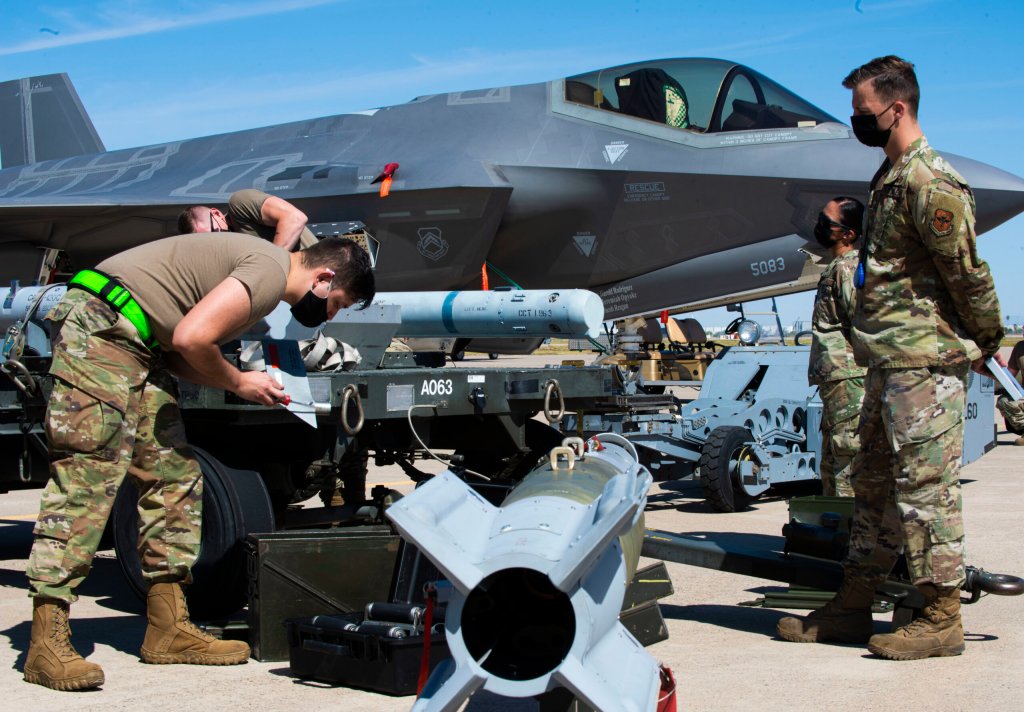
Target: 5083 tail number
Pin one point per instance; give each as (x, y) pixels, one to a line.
(769, 266)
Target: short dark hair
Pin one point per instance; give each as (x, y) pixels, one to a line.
(851, 212)
(188, 218)
(350, 264)
(892, 78)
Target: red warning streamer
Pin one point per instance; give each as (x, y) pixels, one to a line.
(385, 179)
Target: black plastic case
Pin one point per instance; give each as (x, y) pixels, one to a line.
(370, 662)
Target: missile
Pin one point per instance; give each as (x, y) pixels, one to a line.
(499, 312)
(537, 584)
(16, 302)
(21, 319)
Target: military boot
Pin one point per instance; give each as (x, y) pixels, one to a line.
(844, 619)
(938, 632)
(52, 661)
(172, 638)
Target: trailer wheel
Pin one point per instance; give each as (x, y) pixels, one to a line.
(724, 449)
(235, 504)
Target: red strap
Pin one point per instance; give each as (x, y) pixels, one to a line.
(664, 316)
(274, 358)
(385, 187)
(483, 277)
(428, 622)
(667, 694)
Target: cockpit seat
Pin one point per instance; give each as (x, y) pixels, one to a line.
(651, 93)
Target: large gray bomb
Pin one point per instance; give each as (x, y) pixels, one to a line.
(537, 584)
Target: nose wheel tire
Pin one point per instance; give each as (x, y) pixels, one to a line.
(720, 458)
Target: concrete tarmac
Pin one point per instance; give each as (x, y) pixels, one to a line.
(724, 656)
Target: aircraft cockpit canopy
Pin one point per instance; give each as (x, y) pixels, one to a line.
(705, 95)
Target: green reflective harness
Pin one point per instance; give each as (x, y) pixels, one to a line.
(114, 293)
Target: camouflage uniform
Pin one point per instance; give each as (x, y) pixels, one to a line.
(113, 411)
(927, 309)
(833, 369)
(1013, 410)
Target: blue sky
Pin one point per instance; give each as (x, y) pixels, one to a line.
(150, 71)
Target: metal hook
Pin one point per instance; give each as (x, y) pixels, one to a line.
(348, 394)
(552, 388)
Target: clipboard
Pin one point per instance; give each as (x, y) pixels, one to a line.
(1005, 379)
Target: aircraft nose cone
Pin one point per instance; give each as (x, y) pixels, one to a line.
(999, 195)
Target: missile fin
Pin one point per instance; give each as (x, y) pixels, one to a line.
(448, 687)
(617, 675)
(614, 513)
(436, 516)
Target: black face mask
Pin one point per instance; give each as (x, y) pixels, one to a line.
(823, 230)
(311, 310)
(865, 128)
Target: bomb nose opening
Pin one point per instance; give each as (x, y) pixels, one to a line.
(517, 625)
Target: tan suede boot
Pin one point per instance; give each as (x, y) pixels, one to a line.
(172, 638)
(52, 661)
(939, 632)
(844, 619)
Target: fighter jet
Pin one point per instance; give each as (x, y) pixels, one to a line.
(672, 184)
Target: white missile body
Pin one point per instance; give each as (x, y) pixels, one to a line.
(544, 313)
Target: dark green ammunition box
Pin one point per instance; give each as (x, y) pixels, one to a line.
(306, 573)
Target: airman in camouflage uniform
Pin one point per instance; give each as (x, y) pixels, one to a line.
(112, 409)
(832, 367)
(113, 412)
(926, 311)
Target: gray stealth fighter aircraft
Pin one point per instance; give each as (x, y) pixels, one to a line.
(673, 184)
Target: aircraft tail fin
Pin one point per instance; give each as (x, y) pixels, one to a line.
(42, 118)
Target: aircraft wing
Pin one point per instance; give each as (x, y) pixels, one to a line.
(435, 238)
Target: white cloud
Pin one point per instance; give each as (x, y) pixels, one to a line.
(113, 23)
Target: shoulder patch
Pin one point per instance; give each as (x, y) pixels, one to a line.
(942, 222)
(945, 212)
